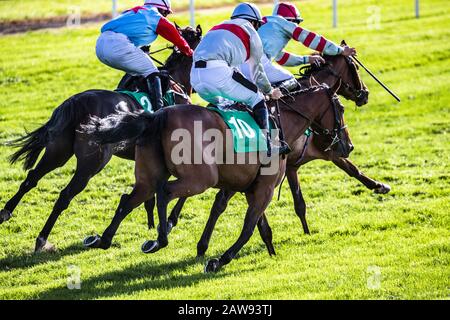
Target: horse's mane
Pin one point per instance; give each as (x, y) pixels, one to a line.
(173, 60)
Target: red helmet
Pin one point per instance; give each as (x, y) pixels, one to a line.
(288, 11)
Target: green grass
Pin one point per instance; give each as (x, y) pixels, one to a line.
(36, 9)
(405, 233)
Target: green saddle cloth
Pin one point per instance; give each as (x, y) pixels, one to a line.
(247, 136)
(143, 99)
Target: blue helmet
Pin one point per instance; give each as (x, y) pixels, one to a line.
(247, 11)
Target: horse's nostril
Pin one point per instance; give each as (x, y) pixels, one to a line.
(351, 147)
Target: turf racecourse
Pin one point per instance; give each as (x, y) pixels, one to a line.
(363, 245)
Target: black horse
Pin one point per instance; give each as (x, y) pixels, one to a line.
(61, 139)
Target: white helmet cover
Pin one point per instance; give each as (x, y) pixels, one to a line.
(162, 4)
(248, 11)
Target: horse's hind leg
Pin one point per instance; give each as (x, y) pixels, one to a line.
(128, 202)
(354, 172)
(299, 202)
(172, 221)
(258, 199)
(55, 155)
(149, 170)
(149, 208)
(219, 206)
(87, 167)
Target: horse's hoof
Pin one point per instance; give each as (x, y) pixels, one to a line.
(42, 245)
(92, 242)
(212, 265)
(383, 189)
(5, 215)
(150, 246)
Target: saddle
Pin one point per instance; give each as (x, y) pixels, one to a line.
(135, 87)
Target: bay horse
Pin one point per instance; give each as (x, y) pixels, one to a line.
(341, 74)
(317, 107)
(60, 139)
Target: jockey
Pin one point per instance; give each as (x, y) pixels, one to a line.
(226, 46)
(275, 34)
(120, 40)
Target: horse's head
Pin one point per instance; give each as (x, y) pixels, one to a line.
(330, 132)
(349, 84)
(178, 64)
(191, 35)
(340, 73)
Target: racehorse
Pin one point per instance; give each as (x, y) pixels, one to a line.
(317, 107)
(60, 139)
(341, 74)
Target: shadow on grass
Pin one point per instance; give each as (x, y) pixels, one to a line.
(134, 279)
(30, 259)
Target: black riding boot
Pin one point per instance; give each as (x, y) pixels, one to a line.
(262, 119)
(155, 91)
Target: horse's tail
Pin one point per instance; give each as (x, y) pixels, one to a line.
(123, 126)
(32, 143)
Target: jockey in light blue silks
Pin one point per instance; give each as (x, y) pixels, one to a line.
(119, 43)
(214, 74)
(277, 30)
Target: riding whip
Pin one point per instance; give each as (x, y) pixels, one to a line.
(373, 76)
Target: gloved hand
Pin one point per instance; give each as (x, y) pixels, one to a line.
(316, 59)
(349, 51)
(276, 94)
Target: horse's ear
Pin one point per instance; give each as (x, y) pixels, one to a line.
(199, 30)
(343, 43)
(178, 27)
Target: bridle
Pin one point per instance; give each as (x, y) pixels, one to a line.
(327, 68)
(335, 133)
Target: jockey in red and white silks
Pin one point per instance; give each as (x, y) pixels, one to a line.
(275, 34)
(214, 74)
(119, 43)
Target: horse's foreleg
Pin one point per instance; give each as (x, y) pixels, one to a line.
(54, 156)
(354, 172)
(266, 234)
(219, 206)
(299, 202)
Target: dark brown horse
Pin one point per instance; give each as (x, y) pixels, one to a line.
(340, 74)
(60, 139)
(155, 160)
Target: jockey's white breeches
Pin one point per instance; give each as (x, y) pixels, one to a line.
(117, 51)
(275, 73)
(216, 85)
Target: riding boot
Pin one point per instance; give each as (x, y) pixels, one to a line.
(262, 119)
(289, 85)
(154, 90)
